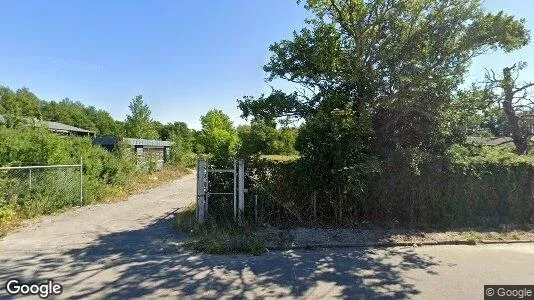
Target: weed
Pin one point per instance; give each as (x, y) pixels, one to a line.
(515, 236)
(215, 238)
(473, 238)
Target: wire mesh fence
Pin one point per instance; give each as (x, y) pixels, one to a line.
(220, 196)
(41, 189)
(226, 194)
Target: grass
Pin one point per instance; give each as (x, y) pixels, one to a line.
(281, 158)
(146, 181)
(473, 238)
(11, 218)
(215, 238)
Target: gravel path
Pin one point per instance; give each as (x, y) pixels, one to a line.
(121, 251)
(87, 225)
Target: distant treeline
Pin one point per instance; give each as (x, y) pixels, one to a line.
(218, 138)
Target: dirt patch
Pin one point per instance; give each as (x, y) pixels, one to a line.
(318, 237)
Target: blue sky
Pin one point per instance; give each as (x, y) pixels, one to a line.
(184, 57)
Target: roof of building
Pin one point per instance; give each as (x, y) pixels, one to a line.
(490, 141)
(503, 141)
(56, 126)
(111, 141)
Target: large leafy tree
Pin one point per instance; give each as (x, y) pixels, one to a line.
(169, 130)
(374, 77)
(397, 62)
(68, 112)
(183, 138)
(139, 123)
(104, 123)
(18, 107)
(218, 136)
(262, 138)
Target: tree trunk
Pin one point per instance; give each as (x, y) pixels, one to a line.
(520, 139)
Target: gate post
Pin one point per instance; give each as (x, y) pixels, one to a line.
(235, 189)
(241, 189)
(201, 191)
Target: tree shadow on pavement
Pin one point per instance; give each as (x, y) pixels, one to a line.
(144, 262)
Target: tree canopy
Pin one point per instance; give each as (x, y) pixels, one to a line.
(23, 105)
(262, 138)
(218, 135)
(19, 106)
(396, 62)
(139, 123)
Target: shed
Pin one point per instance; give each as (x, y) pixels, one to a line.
(143, 148)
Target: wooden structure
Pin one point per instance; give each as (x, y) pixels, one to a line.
(146, 150)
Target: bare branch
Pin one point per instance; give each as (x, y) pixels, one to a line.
(526, 86)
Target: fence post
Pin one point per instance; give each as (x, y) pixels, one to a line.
(201, 196)
(81, 181)
(241, 192)
(30, 180)
(256, 208)
(235, 189)
(207, 190)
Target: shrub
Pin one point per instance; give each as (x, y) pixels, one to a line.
(54, 189)
(469, 186)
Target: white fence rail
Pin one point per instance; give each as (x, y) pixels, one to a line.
(45, 187)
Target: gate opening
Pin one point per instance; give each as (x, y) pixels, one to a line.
(226, 194)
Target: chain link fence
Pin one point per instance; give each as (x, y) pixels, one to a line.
(41, 189)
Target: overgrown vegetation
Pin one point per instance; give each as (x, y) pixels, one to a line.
(216, 237)
(467, 186)
(105, 174)
(385, 118)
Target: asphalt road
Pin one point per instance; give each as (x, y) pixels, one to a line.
(124, 250)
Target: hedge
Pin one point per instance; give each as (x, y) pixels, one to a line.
(469, 186)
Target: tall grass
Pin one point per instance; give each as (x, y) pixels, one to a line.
(216, 237)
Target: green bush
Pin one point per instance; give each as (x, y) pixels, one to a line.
(54, 189)
(469, 186)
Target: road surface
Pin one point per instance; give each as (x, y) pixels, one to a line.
(124, 250)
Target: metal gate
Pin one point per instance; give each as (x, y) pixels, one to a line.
(204, 192)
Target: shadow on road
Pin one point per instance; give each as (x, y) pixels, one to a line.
(142, 262)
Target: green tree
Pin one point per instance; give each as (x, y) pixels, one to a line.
(218, 136)
(286, 142)
(184, 142)
(375, 77)
(104, 123)
(19, 107)
(262, 138)
(515, 100)
(77, 114)
(69, 112)
(170, 131)
(397, 62)
(139, 123)
(158, 127)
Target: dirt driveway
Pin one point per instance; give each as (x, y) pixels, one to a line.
(88, 225)
(124, 250)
